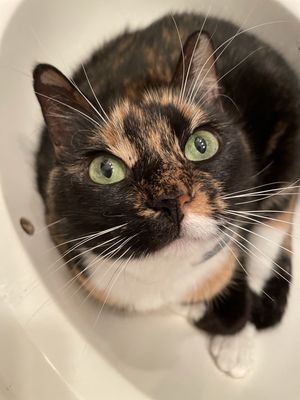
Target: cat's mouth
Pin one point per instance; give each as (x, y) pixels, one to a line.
(197, 228)
(197, 233)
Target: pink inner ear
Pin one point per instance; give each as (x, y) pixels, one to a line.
(52, 78)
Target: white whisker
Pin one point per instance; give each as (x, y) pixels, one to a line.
(267, 211)
(280, 192)
(49, 225)
(85, 116)
(256, 221)
(240, 264)
(231, 250)
(260, 236)
(225, 74)
(119, 270)
(193, 92)
(255, 255)
(104, 255)
(194, 50)
(263, 192)
(91, 249)
(182, 55)
(227, 44)
(85, 240)
(94, 94)
(106, 272)
(247, 213)
(255, 187)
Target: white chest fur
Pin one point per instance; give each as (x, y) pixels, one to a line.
(159, 280)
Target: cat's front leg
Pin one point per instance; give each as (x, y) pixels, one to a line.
(234, 354)
(227, 319)
(257, 301)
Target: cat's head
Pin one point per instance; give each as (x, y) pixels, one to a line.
(151, 172)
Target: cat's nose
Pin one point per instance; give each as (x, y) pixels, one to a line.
(171, 206)
(184, 199)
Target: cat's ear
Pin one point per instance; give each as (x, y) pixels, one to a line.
(65, 110)
(195, 71)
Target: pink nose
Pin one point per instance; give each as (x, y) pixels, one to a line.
(171, 206)
(183, 199)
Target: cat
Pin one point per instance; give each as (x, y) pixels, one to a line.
(173, 161)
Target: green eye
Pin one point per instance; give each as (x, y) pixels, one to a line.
(106, 169)
(200, 146)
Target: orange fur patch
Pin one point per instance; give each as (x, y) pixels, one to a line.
(189, 109)
(283, 220)
(112, 135)
(199, 205)
(213, 285)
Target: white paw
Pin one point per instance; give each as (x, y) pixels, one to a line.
(234, 354)
(193, 312)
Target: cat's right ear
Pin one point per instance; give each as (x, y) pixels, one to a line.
(65, 110)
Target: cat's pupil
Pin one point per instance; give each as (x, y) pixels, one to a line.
(200, 144)
(106, 168)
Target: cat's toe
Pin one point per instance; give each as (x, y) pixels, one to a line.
(234, 354)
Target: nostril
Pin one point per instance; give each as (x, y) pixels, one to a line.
(184, 199)
(169, 207)
(172, 212)
(167, 211)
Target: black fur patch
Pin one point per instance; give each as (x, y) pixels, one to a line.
(228, 314)
(268, 308)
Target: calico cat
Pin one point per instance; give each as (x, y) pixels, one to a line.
(171, 172)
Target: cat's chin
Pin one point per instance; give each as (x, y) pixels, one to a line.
(182, 245)
(197, 234)
(185, 246)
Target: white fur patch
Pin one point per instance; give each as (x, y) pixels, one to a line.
(260, 266)
(165, 277)
(234, 354)
(197, 227)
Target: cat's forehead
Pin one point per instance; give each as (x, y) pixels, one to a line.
(152, 125)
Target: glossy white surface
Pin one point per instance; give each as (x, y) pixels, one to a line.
(50, 346)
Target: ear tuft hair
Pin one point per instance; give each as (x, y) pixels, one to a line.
(195, 71)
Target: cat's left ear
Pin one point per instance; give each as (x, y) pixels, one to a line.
(195, 71)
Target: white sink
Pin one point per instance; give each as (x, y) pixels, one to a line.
(50, 346)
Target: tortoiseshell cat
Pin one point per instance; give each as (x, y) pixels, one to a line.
(182, 180)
